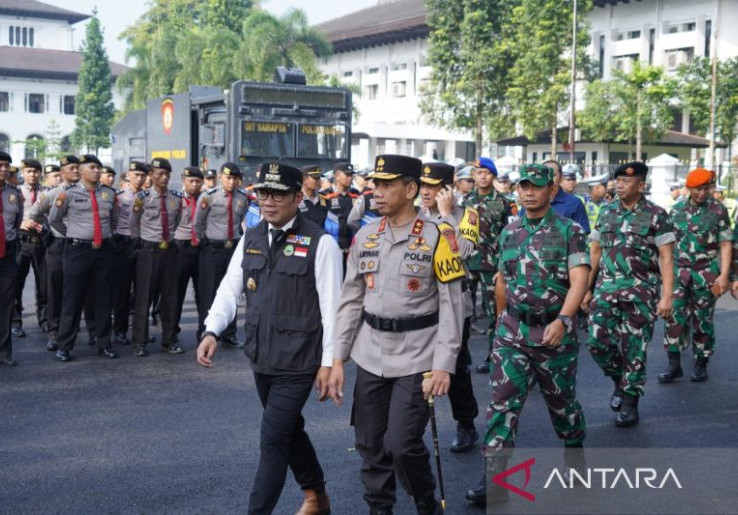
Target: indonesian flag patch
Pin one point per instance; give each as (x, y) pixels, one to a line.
(301, 252)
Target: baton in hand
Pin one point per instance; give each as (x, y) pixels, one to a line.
(436, 448)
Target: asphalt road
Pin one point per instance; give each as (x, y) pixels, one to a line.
(164, 435)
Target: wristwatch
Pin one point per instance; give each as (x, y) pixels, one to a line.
(567, 321)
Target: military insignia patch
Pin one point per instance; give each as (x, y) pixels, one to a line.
(371, 265)
(630, 171)
(373, 236)
(362, 265)
(417, 228)
(301, 252)
(472, 215)
(298, 239)
(382, 225)
(288, 250)
(413, 284)
(251, 284)
(450, 235)
(253, 251)
(369, 280)
(105, 195)
(370, 245)
(414, 267)
(12, 199)
(447, 263)
(60, 199)
(137, 204)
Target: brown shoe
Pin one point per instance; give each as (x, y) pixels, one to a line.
(315, 503)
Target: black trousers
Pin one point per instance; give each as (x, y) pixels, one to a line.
(8, 273)
(188, 259)
(389, 417)
(213, 267)
(156, 271)
(283, 440)
(461, 392)
(55, 290)
(124, 264)
(87, 278)
(31, 256)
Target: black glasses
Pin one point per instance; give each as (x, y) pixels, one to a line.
(277, 196)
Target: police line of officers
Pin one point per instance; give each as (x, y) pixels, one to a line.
(405, 305)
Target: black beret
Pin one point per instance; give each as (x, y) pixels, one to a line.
(138, 166)
(192, 171)
(31, 163)
(278, 176)
(90, 159)
(389, 167)
(51, 168)
(311, 171)
(210, 173)
(69, 160)
(634, 169)
(108, 169)
(437, 173)
(160, 162)
(13, 169)
(4, 156)
(230, 169)
(343, 167)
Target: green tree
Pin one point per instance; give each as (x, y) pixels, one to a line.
(470, 57)
(94, 102)
(540, 78)
(694, 94)
(632, 107)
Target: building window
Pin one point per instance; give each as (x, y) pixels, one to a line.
(651, 44)
(35, 146)
(11, 36)
(373, 70)
(65, 144)
(631, 34)
(399, 66)
(67, 104)
(602, 58)
(30, 37)
(17, 36)
(25, 36)
(348, 74)
(399, 88)
(35, 103)
(370, 92)
(681, 27)
(708, 37)
(20, 36)
(4, 101)
(4, 143)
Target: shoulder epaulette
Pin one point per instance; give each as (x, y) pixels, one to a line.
(177, 193)
(143, 194)
(212, 190)
(119, 192)
(241, 191)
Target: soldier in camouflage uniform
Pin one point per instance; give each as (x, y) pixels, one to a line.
(632, 241)
(702, 265)
(542, 279)
(494, 211)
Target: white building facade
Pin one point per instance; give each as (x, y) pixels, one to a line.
(38, 75)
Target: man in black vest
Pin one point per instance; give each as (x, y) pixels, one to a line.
(291, 306)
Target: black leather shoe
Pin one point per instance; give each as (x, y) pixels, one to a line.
(673, 369)
(232, 342)
(140, 351)
(51, 346)
(121, 339)
(63, 355)
(628, 415)
(18, 332)
(173, 349)
(379, 509)
(616, 401)
(108, 352)
(700, 371)
(8, 362)
(427, 505)
(478, 494)
(465, 440)
(483, 368)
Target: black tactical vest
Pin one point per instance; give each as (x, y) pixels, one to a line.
(284, 332)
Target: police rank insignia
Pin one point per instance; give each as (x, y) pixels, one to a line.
(419, 243)
(370, 244)
(373, 236)
(414, 267)
(12, 199)
(105, 195)
(251, 284)
(137, 205)
(288, 250)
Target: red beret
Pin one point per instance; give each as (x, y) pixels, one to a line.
(699, 177)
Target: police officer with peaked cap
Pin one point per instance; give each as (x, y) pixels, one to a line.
(155, 214)
(218, 218)
(210, 178)
(11, 214)
(107, 178)
(186, 241)
(52, 175)
(403, 276)
(340, 199)
(90, 211)
(313, 205)
(290, 272)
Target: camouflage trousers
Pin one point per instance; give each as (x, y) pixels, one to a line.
(514, 362)
(620, 329)
(486, 282)
(695, 303)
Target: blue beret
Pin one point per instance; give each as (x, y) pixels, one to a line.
(486, 162)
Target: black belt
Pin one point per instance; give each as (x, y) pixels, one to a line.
(186, 244)
(30, 238)
(222, 244)
(535, 319)
(76, 242)
(122, 238)
(160, 245)
(400, 325)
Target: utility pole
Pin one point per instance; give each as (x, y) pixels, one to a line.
(711, 151)
(573, 99)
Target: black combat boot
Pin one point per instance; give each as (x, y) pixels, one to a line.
(617, 395)
(700, 370)
(498, 494)
(427, 505)
(673, 369)
(628, 415)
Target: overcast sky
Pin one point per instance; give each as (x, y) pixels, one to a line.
(116, 15)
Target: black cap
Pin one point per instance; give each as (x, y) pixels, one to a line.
(192, 171)
(230, 169)
(69, 160)
(51, 168)
(437, 173)
(108, 169)
(344, 167)
(4, 156)
(138, 166)
(31, 163)
(389, 167)
(160, 162)
(634, 169)
(278, 176)
(210, 173)
(311, 171)
(87, 159)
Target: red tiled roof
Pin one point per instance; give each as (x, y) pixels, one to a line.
(45, 64)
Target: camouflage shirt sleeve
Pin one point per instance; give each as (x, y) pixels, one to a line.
(725, 233)
(663, 229)
(578, 250)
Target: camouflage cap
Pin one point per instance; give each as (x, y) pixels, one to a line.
(538, 174)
